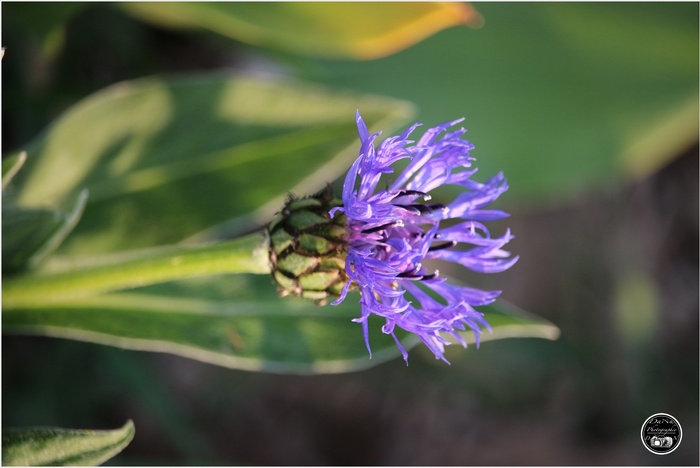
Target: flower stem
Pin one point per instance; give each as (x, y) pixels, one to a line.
(248, 254)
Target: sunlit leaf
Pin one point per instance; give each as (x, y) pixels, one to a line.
(49, 446)
(327, 29)
(239, 322)
(167, 158)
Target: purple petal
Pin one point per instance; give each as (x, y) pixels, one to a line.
(361, 127)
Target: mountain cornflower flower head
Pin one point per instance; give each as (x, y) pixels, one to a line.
(376, 241)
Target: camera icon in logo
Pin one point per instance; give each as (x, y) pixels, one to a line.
(661, 442)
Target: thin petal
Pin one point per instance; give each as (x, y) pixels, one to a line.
(361, 127)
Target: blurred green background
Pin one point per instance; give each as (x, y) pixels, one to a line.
(590, 109)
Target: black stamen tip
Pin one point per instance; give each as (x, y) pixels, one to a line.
(382, 227)
(420, 209)
(403, 193)
(446, 245)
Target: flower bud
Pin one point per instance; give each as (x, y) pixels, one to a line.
(307, 248)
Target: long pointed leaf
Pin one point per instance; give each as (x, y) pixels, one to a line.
(165, 158)
(51, 446)
(237, 321)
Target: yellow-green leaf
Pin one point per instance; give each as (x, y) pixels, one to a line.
(363, 30)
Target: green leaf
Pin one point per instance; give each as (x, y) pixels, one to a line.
(317, 29)
(564, 98)
(29, 235)
(238, 322)
(166, 158)
(10, 167)
(44, 446)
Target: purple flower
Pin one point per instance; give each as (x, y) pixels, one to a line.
(391, 232)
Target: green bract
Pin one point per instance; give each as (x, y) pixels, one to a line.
(307, 248)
